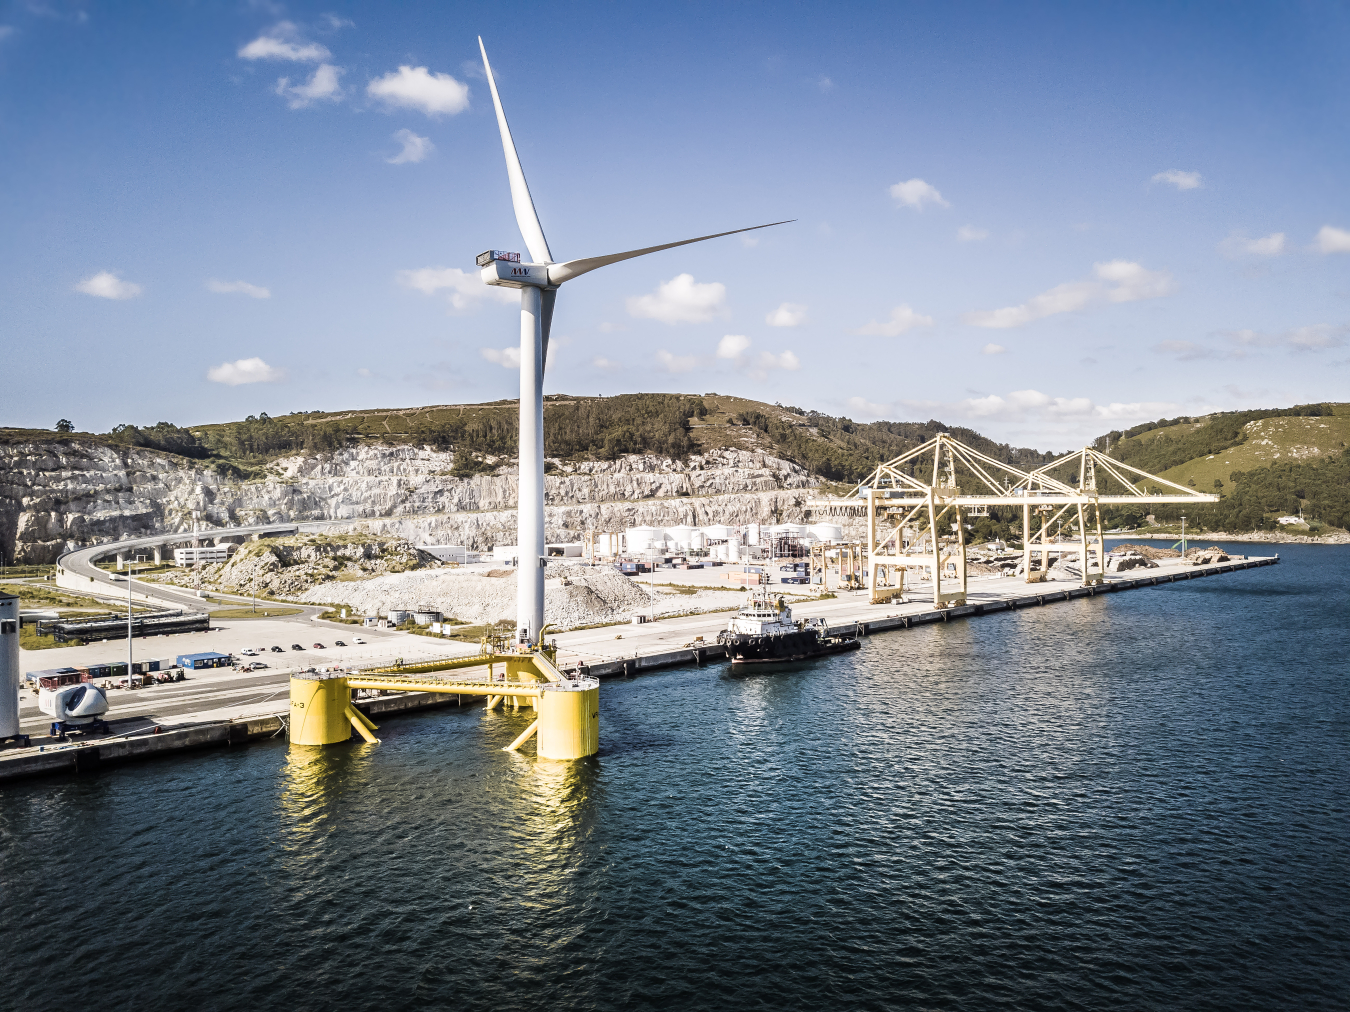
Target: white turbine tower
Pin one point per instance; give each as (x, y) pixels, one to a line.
(538, 281)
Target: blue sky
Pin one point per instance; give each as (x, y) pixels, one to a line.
(1044, 221)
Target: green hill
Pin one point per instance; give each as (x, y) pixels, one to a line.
(483, 436)
(1264, 464)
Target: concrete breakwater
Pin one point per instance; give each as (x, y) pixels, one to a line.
(991, 597)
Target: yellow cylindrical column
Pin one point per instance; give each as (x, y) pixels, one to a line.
(569, 719)
(319, 710)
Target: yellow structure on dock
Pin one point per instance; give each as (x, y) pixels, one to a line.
(567, 721)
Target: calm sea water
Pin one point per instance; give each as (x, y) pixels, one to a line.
(1129, 802)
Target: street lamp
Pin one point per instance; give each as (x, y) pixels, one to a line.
(131, 574)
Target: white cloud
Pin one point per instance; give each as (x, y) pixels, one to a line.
(415, 149)
(676, 363)
(1029, 416)
(419, 88)
(463, 290)
(1186, 351)
(1181, 180)
(335, 22)
(241, 287)
(244, 370)
(789, 314)
(1332, 240)
(322, 86)
(1237, 245)
(867, 409)
(107, 285)
(824, 83)
(916, 193)
(1316, 337)
(600, 362)
(1032, 403)
(902, 319)
(969, 233)
(1243, 343)
(993, 349)
(282, 42)
(364, 373)
(767, 361)
(507, 358)
(1132, 282)
(733, 346)
(681, 300)
(6, 31)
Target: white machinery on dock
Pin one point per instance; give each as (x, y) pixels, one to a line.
(78, 707)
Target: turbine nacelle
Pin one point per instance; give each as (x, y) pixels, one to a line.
(514, 274)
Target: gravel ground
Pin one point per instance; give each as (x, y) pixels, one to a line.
(593, 595)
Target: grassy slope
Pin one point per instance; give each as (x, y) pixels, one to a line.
(1268, 440)
(1264, 441)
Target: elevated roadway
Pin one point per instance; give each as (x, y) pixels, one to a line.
(77, 571)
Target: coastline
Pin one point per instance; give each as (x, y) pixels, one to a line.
(1254, 537)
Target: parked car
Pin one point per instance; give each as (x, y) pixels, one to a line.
(358, 640)
(255, 666)
(338, 643)
(319, 646)
(248, 652)
(296, 646)
(278, 650)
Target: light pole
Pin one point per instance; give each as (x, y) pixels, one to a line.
(1183, 536)
(131, 574)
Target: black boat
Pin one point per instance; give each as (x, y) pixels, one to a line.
(763, 632)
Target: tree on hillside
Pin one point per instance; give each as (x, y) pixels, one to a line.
(65, 425)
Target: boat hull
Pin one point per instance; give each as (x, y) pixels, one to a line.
(800, 646)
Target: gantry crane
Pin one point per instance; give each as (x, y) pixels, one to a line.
(916, 509)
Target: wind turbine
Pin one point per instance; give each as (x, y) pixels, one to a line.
(538, 280)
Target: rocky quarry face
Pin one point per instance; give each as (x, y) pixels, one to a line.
(63, 494)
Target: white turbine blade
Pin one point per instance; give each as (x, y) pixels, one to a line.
(526, 216)
(559, 273)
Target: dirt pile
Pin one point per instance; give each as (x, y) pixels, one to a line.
(573, 596)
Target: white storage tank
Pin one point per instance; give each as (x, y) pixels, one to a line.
(751, 534)
(9, 665)
(681, 537)
(644, 539)
(398, 617)
(827, 532)
(721, 532)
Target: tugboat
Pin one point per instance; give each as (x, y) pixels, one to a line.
(763, 632)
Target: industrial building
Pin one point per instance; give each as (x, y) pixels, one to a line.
(212, 553)
(207, 660)
(723, 542)
(450, 553)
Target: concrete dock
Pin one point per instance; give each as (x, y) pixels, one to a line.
(222, 707)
